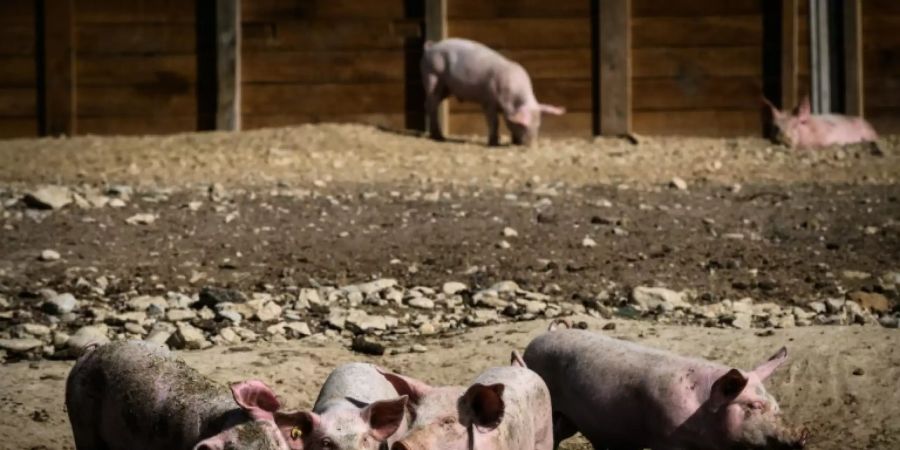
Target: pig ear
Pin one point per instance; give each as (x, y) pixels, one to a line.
(294, 426)
(804, 109)
(254, 397)
(516, 360)
(765, 369)
(775, 111)
(216, 442)
(384, 416)
(522, 116)
(411, 387)
(726, 388)
(485, 404)
(554, 110)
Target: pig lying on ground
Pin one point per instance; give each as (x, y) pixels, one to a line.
(622, 395)
(136, 395)
(805, 130)
(506, 408)
(356, 409)
(473, 72)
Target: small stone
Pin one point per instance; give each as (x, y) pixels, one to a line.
(609, 326)
(889, 321)
(141, 219)
(362, 345)
(510, 232)
(85, 336)
(144, 302)
(678, 183)
(231, 316)
(856, 275)
(211, 296)
(268, 311)
(36, 329)
(178, 315)
(421, 303)
(277, 328)
(60, 304)
(160, 333)
(786, 321)
(427, 328)
(834, 305)
(22, 345)
(188, 337)
(300, 329)
(376, 286)
(505, 286)
(453, 287)
(229, 336)
(362, 321)
(135, 328)
(49, 255)
(859, 371)
(481, 316)
(308, 297)
(48, 197)
(117, 203)
(504, 245)
(657, 298)
(418, 348)
(587, 242)
(742, 321)
(817, 307)
(871, 301)
(59, 339)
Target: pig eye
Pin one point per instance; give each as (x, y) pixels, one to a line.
(296, 433)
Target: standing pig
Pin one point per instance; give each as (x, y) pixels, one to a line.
(623, 395)
(356, 409)
(506, 408)
(473, 72)
(804, 130)
(136, 395)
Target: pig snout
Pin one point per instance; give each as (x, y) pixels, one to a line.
(792, 438)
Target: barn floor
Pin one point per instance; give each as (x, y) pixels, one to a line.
(583, 221)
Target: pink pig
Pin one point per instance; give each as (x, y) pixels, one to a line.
(471, 71)
(804, 130)
(136, 395)
(620, 394)
(506, 408)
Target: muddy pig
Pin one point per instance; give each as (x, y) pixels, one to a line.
(357, 408)
(802, 129)
(473, 72)
(506, 408)
(136, 395)
(620, 394)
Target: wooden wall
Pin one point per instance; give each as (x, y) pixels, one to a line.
(697, 67)
(550, 38)
(328, 60)
(881, 64)
(18, 70)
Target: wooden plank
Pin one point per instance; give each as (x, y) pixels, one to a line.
(883, 92)
(701, 61)
(882, 63)
(571, 124)
(713, 123)
(525, 33)
(323, 35)
(574, 95)
(17, 12)
(264, 10)
(228, 65)
(362, 98)
(134, 11)
(392, 120)
(726, 31)
(17, 39)
(554, 64)
(853, 54)
(789, 53)
(696, 94)
(436, 29)
(136, 38)
(614, 56)
(58, 61)
(481, 9)
(880, 31)
(323, 66)
(881, 8)
(18, 127)
(137, 125)
(137, 100)
(885, 121)
(17, 71)
(694, 8)
(177, 71)
(17, 102)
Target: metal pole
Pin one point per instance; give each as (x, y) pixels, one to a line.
(820, 65)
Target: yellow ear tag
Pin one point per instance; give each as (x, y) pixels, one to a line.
(296, 433)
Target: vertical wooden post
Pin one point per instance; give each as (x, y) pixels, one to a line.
(58, 63)
(614, 61)
(790, 42)
(228, 64)
(853, 58)
(436, 30)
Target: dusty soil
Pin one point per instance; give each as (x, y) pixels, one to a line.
(819, 386)
(336, 204)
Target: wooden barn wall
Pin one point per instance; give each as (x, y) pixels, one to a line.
(308, 61)
(697, 67)
(881, 64)
(551, 39)
(18, 71)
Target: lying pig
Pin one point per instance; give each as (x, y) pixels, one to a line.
(506, 408)
(136, 395)
(473, 72)
(620, 394)
(804, 130)
(356, 409)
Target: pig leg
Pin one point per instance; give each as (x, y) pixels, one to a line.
(493, 123)
(563, 429)
(435, 93)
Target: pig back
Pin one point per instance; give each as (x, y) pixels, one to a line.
(360, 382)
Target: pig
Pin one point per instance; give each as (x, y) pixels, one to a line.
(137, 395)
(624, 395)
(804, 130)
(505, 408)
(356, 409)
(470, 71)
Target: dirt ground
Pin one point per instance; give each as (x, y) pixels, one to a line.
(338, 204)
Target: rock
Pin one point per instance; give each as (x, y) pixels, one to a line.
(49, 255)
(36, 329)
(211, 296)
(60, 304)
(60, 339)
(834, 305)
(179, 315)
(532, 306)
(160, 333)
(376, 286)
(657, 298)
(489, 298)
(427, 328)
(510, 232)
(144, 302)
(785, 321)
(277, 328)
(188, 337)
(141, 219)
(362, 345)
(859, 371)
(178, 300)
(678, 183)
(300, 329)
(22, 345)
(117, 203)
(504, 245)
(361, 321)
(505, 286)
(418, 348)
(135, 328)
(230, 315)
(482, 316)
(48, 197)
(587, 242)
(265, 311)
(889, 321)
(742, 321)
(229, 336)
(85, 336)
(871, 301)
(856, 275)
(421, 303)
(744, 305)
(337, 318)
(817, 307)
(453, 287)
(308, 297)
